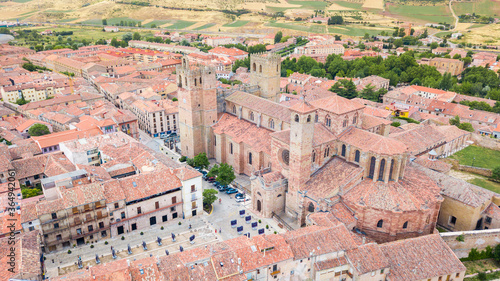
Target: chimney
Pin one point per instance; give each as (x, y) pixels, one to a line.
(364, 240)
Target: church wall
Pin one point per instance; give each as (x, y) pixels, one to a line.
(466, 216)
(337, 125)
(270, 200)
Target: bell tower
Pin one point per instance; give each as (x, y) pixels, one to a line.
(265, 72)
(301, 144)
(197, 107)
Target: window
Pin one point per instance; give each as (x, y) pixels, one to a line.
(103, 233)
(405, 225)
(355, 119)
(56, 225)
(123, 215)
(172, 209)
(54, 216)
(343, 150)
(79, 231)
(314, 156)
(31, 228)
(391, 170)
(101, 225)
(271, 123)
(453, 220)
(193, 188)
(316, 117)
(380, 223)
(164, 218)
(91, 228)
(251, 115)
(250, 158)
(234, 109)
(59, 237)
(116, 205)
(231, 148)
(174, 199)
(174, 215)
(311, 207)
(328, 121)
(152, 220)
(440, 278)
(381, 170)
(488, 220)
(215, 140)
(139, 210)
(308, 118)
(458, 275)
(356, 156)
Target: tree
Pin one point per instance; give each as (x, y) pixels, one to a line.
(136, 36)
(224, 173)
(335, 20)
(455, 121)
(22, 101)
(345, 88)
(201, 160)
(38, 130)
(369, 93)
(209, 196)
(29, 192)
(114, 42)
(495, 175)
(153, 25)
(127, 37)
(398, 43)
(396, 124)
(104, 22)
(466, 127)
(434, 45)
(278, 36)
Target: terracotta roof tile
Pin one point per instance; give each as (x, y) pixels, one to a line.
(368, 141)
(367, 258)
(337, 104)
(261, 105)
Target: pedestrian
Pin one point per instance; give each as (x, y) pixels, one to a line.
(220, 200)
(216, 230)
(189, 226)
(220, 230)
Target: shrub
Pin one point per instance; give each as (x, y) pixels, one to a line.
(180, 223)
(460, 238)
(161, 228)
(475, 255)
(91, 246)
(123, 237)
(395, 124)
(482, 276)
(69, 251)
(105, 242)
(260, 221)
(182, 159)
(276, 232)
(142, 233)
(267, 226)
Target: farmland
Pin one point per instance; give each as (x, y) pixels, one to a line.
(438, 13)
(480, 7)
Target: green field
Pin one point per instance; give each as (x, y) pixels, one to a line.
(157, 22)
(484, 157)
(311, 5)
(352, 5)
(180, 24)
(424, 13)
(476, 25)
(485, 183)
(443, 33)
(238, 23)
(315, 28)
(205, 26)
(480, 7)
(355, 30)
(111, 21)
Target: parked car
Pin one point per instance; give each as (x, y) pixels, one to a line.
(244, 199)
(231, 191)
(239, 195)
(211, 179)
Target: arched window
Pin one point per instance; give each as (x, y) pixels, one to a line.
(200, 81)
(327, 152)
(234, 109)
(356, 156)
(186, 81)
(344, 124)
(279, 195)
(355, 119)
(271, 123)
(251, 116)
(328, 121)
(195, 82)
(254, 67)
(308, 118)
(180, 81)
(391, 170)
(231, 148)
(296, 118)
(380, 223)
(258, 193)
(215, 140)
(311, 207)
(405, 225)
(250, 158)
(381, 170)
(343, 150)
(372, 167)
(314, 156)
(316, 118)
(260, 68)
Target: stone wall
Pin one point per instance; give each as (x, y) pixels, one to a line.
(478, 239)
(476, 170)
(486, 142)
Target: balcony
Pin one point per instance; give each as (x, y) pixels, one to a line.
(275, 272)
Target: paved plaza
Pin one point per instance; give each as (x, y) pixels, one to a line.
(207, 228)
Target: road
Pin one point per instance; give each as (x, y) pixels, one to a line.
(454, 16)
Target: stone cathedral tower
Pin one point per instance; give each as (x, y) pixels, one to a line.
(197, 107)
(265, 72)
(301, 144)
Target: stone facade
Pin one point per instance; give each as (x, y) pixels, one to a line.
(265, 71)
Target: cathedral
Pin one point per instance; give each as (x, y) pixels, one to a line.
(308, 154)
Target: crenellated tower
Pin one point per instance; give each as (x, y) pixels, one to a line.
(197, 107)
(265, 72)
